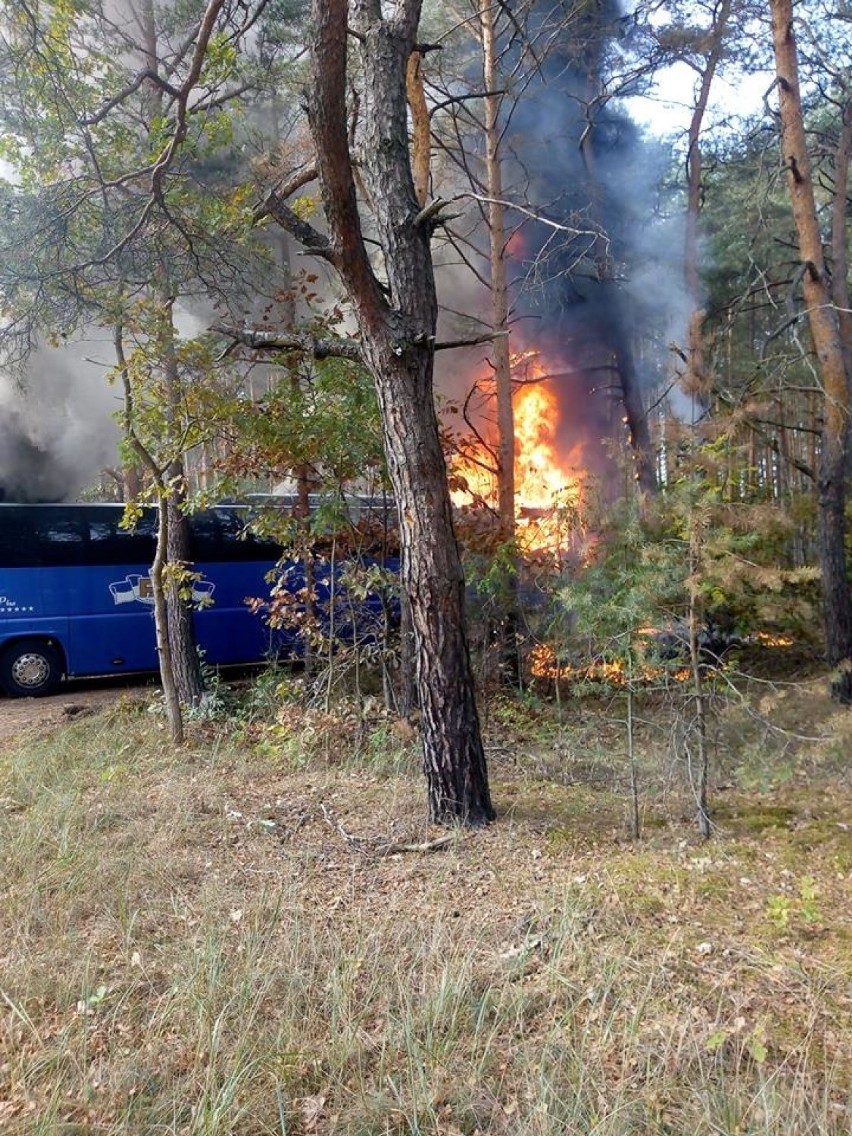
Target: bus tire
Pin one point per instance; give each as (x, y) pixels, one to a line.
(30, 669)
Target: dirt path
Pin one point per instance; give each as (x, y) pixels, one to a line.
(20, 714)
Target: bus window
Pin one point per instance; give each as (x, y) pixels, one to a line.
(205, 545)
(239, 541)
(109, 543)
(57, 538)
(221, 534)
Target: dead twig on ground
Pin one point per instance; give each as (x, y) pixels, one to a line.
(384, 847)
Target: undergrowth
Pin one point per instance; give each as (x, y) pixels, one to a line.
(212, 941)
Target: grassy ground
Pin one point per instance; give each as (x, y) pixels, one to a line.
(219, 941)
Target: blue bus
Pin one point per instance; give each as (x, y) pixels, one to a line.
(76, 601)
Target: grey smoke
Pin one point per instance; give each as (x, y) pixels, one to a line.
(586, 163)
(57, 430)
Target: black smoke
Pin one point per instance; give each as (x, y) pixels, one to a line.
(28, 472)
(578, 156)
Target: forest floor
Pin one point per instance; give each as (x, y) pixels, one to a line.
(261, 934)
(19, 715)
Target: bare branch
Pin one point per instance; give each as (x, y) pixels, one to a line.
(306, 234)
(429, 213)
(205, 31)
(452, 344)
(455, 100)
(291, 185)
(385, 847)
(541, 218)
(146, 75)
(289, 341)
(395, 847)
(793, 315)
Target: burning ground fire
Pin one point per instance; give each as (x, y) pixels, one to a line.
(545, 663)
(548, 484)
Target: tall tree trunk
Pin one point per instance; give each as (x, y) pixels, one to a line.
(159, 590)
(397, 323)
(839, 256)
(499, 289)
(432, 576)
(302, 513)
(696, 618)
(500, 355)
(644, 461)
(406, 685)
(185, 660)
(158, 573)
(696, 381)
(828, 343)
(182, 658)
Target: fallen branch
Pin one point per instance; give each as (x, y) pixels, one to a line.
(352, 841)
(421, 846)
(386, 847)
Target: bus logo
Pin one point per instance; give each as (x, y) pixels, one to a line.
(8, 604)
(136, 588)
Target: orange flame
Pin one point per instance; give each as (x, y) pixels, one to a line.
(544, 663)
(766, 639)
(542, 474)
(548, 483)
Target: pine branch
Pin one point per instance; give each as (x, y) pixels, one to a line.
(292, 341)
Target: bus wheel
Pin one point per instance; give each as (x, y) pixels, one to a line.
(30, 669)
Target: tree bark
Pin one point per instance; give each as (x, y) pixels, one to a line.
(171, 695)
(839, 234)
(397, 322)
(157, 574)
(507, 629)
(825, 331)
(406, 685)
(421, 127)
(696, 381)
(644, 463)
(185, 660)
(181, 661)
(499, 288)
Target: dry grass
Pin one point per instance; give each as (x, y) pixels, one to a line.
(188, 943)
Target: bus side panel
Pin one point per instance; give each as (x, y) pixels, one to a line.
(112, 631)
(102, 616)
(32, 605)
(226, 629)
